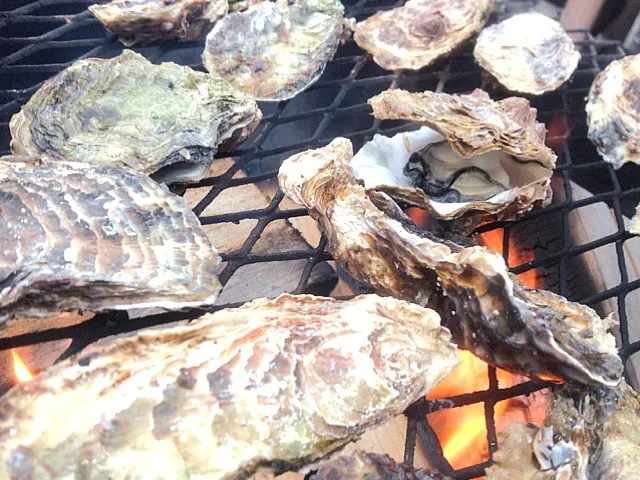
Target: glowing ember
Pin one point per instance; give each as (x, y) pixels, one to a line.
(20, 369)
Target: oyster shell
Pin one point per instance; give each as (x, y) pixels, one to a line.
(147, 21)
(275, 383)
(166, 119)
(613, 111)
(418, 33)
(486, 160)
(527, 53)
(488, 311)
(274, 51)
(97, 237)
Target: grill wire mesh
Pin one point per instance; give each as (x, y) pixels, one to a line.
(40, 38)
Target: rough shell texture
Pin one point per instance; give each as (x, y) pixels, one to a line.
(528, 53)
(94, 237)
(127, 111)
(273, 383)
(146, 21)
(418, 33)
(273, 51)
(613, 111)
(488, 312)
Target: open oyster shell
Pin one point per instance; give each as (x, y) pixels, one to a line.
(418, 33)
(274, 383)
(484, 160)
(146, 21)
(527, 53)
(613, 111)
(165, 119)
(275, 50)
(488, 311)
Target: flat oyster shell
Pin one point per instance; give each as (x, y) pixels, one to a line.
(418, 33)
(274, 51)
(96, 237)
(613, 111)
(533, 332)
(147, 21)
(274, 383)
(527, 53)
(165, 118)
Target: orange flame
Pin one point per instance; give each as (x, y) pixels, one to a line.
(20, 368)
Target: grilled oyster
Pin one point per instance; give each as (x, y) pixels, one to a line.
(418, 33)
(273, 383)
(487, 160)
(488, 311)
(96, 237)
(146, 21)
(274, 51)
(613, 111)
(166, 119)
(527, 53)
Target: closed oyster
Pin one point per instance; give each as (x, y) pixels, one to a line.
(166, 119)
(146, 21)
(613, 111)
(533, 332)
(96, 237)
(487, 160)
(275, 383)
(418, 33)
(274, 51)
(527, 53)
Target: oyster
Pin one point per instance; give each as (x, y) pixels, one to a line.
(613, 111)
(97, 237)
(274, 51)
(487, 160)
(488, 311)
(527, 53)
(418, 33)
(146, 21)
(165, 120)
(275, 383)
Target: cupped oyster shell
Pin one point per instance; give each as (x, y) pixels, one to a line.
(275, 50)
(613, 111)
(484, 160)
(274, 383)
(97, 237)
(527, 53)
(418, 33)
(165, 119)
(489, 312)
(147, 21)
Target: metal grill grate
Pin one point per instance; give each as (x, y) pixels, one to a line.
(40, 38)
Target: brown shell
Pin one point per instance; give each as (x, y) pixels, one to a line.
(275, 383)
(489, 312)
(418, 33)
(613, 111)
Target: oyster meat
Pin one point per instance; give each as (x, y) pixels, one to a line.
(167, 120)
(527, 53)
(146, 21)
(96, 237)
(484, 160)
(274, 383)
(418, 33)
(275, 50)
(613, 111)
(488, 311)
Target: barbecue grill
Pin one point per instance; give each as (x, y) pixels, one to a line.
(40, 38)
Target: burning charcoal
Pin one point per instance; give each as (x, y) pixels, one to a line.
(489, 312)
(275, 383)
(95, 237)
(418, 33)
(527, 53)
(167, 120)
